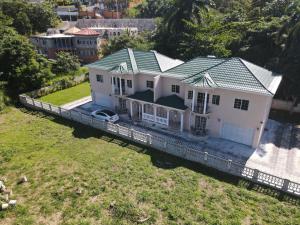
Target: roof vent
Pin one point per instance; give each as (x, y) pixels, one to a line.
(211, 56)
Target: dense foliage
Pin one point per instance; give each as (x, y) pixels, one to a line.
(140, 42)
(29, 18)
(65, 62)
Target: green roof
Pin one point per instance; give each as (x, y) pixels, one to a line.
(172, 101)
(136, 61)
(146, 96)
(231, 73)
(235, 73)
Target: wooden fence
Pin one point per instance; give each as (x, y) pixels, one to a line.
(168, 146)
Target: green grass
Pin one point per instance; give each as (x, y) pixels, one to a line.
(122, 182)
(68, 95)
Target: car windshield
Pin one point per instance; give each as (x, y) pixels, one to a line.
(110, 113)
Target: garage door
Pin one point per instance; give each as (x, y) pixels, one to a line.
(104, 100)
(237, 134)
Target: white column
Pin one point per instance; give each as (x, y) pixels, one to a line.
(131, 110)
(168, 116)
(120, 86)
(193, 101)
(154, 109)
(205, 102)
(112, 85)
(181, 121)
(142, 110)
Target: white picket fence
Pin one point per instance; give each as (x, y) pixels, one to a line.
(167, 145)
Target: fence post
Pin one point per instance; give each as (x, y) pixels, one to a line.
(229, 161)
(255, 174)
(50, 107)
(42, 105)
(59, 109)
(205, 156)
(131, 133)
(148, 139)
(285, 185)
(33, 102)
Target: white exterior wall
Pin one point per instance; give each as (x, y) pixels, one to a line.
(255, 117)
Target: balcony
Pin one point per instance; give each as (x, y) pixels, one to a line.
(199, 108)
(117, 91)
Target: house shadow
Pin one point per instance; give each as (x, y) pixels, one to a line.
(160, 159)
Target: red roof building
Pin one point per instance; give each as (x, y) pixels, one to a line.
(87, 32)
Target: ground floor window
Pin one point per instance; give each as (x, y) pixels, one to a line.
(148, 109)
(161, 112)
(200, 123)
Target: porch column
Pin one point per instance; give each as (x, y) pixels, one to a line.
(112, 85)
(205, 103)
(120, 86)
(154, 110)
(193, 101)
(131, 110)
(168, 117)
(142, 106)
(181, 121)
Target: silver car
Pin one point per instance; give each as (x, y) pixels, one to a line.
(105, 115)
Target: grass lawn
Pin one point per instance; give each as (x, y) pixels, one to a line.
(68, 95)
(122, 183)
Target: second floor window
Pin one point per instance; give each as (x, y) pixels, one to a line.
(175, 88)
(99, 78)
(129, 83)
(216, 99)
(241, 104)
(149, 84)
(190, 94)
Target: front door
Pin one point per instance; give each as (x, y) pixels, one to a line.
(200, 123)
(122, 84)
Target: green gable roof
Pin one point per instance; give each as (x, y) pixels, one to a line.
(232, 73)
(113, 61)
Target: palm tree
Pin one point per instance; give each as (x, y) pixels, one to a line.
(185, 10)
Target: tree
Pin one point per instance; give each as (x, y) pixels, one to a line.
(20, 66)
(29, 18)
(140, 42)
(65, 62)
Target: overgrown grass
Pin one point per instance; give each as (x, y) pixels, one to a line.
(122, 183)
(68, 95)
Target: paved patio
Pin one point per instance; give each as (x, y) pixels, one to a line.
(278, 153)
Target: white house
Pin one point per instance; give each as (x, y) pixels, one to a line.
(228, 98)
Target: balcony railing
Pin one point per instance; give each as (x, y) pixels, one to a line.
(199, 108)
(117, 91)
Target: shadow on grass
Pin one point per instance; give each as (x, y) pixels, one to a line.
(161, 159)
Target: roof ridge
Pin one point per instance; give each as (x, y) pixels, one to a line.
(131, 55)
(225, 60)
(155, 56)
(242, 61)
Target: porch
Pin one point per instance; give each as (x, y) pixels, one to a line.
(166, 112)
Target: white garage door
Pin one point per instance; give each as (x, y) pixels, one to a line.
(104, 100)
(237, 134)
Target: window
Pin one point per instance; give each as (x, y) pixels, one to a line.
(129, 83)
(99, 78)
(175, 88)
(190, 94)
(149, 84)
(245, 105)
(241, 104)
(216, 99)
